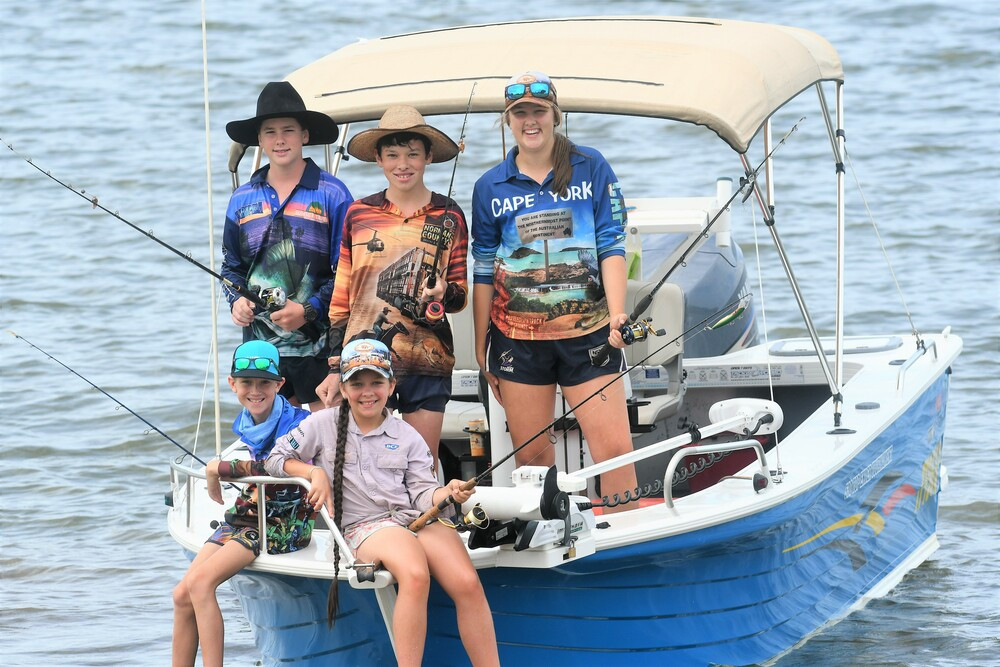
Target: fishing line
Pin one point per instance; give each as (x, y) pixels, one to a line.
(601, 357)
(133, 412)
(434, 310)
(82, 193)
(734, 308)
(767, 346)
(885, 253)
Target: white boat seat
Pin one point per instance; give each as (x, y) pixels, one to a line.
(464, 334)
(658, 380)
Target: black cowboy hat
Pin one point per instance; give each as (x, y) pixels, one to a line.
(280, 100)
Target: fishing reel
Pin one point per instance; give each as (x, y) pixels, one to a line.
(434, 311)
(471, 520)
(270, 299)
(637, 332)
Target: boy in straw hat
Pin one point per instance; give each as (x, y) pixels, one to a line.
(387, 253)
(283, 230)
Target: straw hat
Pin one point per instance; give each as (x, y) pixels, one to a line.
(280, 100)
(402, 118)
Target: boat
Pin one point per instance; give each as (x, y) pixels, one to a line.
(784, 483)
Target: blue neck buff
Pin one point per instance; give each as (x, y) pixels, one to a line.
(260, 437)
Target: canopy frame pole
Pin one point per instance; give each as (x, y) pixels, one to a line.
(333, 165)
(810, 327)
(838, 139)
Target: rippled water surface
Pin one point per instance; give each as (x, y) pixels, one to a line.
(108, 95)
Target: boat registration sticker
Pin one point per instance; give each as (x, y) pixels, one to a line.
(748, 374)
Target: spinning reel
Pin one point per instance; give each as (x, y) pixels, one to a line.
(639, 331)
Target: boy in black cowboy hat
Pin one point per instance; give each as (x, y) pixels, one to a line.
(409, 220)
(283, 230)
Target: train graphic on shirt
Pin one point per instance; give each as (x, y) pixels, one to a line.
(401, 283)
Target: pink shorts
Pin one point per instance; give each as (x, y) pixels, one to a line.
(362, 530)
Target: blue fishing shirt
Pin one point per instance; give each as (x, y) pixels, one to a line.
(294, 246)
(542, 251)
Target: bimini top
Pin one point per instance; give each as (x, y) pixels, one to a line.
(729, 76)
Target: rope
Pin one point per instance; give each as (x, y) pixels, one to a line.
(211, 234)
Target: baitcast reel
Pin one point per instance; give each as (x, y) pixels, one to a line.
(271, 298)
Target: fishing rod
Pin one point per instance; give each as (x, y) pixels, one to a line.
(434, 310)
(134, 413)
(732, 311)
(629, 329)
(265, 299)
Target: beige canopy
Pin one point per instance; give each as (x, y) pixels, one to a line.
(729, 76)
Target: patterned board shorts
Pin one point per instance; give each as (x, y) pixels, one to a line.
(362, 530)
(248, 537)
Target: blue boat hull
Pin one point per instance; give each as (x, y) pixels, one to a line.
(736, 593)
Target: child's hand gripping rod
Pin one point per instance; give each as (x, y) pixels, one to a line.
(432, 513)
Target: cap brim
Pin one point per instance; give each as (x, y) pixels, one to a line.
(540, 101)
(362, 145)
(366, 367)
(255, 373)
(322, 129)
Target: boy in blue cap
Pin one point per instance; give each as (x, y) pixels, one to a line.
(266, 415)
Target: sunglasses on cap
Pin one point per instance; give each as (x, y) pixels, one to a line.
(516, 91)
(260, 363)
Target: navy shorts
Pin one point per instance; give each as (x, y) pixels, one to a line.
(302, 376)
(420, 392)
(542, 362)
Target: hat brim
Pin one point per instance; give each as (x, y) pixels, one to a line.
(362, 146)
(527, 99)
(255, 373)
(366, 367)
(322, 128)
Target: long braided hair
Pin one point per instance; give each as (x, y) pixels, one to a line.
(333, 597)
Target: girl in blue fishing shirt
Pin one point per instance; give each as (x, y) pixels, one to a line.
(548, 231)
(256, 380)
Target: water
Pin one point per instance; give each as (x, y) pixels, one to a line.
(109, 96)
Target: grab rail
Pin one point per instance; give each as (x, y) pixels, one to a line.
(919, 352)
(262, 482)
(682, 454)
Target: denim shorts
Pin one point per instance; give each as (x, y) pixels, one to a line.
(542, 362)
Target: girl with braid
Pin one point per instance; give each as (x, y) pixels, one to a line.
(382, 479)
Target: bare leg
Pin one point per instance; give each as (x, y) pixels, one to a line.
(605, 426)
(199, 585)
(529, 408)
(450, 565)
(402, 555)
(185, 643)
(428, 425)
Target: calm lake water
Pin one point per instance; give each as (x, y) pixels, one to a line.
(108, 95)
